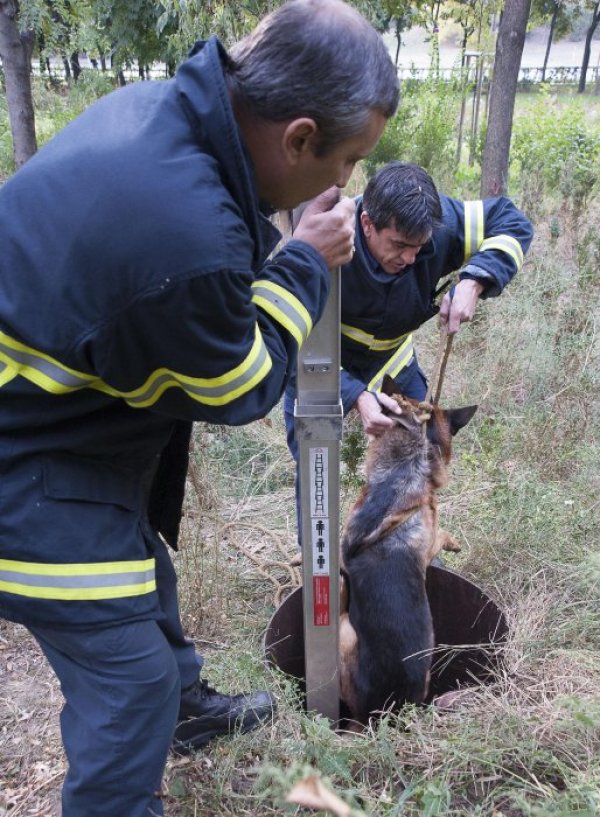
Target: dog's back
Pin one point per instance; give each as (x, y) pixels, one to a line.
(390, 538)
(389, 612)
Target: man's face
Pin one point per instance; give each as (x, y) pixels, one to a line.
(308, 175)
(393, 250)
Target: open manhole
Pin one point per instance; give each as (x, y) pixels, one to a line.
(468, 625)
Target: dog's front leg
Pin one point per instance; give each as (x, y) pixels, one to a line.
(444, 541)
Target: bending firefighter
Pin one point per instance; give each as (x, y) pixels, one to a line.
(409, 240)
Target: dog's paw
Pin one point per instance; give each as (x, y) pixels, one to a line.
(448, 542)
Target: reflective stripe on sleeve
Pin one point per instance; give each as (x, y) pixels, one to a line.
(78, 582)
(212, 391)
(401, 358)
(474, 227)
(6, 373)
(284, 307)
(52, 376)
(371, 341)
(506, 244)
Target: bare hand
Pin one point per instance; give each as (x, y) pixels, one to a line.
(374, 421)
(327, 224)
(460, 308)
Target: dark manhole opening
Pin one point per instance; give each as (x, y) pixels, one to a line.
(469, 629)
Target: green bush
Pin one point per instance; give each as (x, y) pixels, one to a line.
(6, 152)
(423, 129)
(560, 148)
(55, 108)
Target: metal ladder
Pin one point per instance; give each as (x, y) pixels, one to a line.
(318, 417)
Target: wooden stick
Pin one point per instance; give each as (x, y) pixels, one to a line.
(447, 350)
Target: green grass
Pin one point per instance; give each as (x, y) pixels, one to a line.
(523, 500)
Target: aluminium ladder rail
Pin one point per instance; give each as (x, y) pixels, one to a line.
(318, 419)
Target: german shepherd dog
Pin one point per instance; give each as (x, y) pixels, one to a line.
(390, 538)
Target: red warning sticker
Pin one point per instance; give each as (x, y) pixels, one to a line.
(321, 601)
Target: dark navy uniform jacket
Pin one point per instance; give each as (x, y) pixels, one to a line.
(486, 240)
(134, 295)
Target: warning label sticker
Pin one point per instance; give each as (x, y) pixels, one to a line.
(321, 601)
(319, 522)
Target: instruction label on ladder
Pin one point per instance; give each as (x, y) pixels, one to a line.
(319, 518)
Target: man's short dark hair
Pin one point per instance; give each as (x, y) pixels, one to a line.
(403, 196)
(315, 58)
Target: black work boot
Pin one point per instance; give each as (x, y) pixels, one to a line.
(205, 714)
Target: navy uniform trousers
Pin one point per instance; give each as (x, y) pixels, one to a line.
(121, 686)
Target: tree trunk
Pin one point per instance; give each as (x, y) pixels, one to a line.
(15, 51)
(75, 65)
(588, 47)
(509, 50)
(549, 43)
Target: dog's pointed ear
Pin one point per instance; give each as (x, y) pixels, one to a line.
(389, 386)
(458, 418)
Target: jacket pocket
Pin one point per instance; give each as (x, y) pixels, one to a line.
(77, 479)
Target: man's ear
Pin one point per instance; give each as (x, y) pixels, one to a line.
(299, 137)
(366, 224)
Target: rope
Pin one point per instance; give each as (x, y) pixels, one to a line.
(281, 585)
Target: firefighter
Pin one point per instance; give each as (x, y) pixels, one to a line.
(137, 294)
(409, 241)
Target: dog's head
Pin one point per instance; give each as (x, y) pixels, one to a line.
(420, 421)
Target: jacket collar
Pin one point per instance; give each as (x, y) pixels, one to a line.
(203, 91)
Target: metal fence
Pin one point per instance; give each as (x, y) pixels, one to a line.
(554, 75)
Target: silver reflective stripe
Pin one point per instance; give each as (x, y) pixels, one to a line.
(216, 391)
(375, 344)
(284, 307)
(102, 580)
(506, 244)
(92, 581)
(48, 370)
(474, 227)
(54, 377)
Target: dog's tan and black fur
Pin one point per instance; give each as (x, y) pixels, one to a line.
(391, 537)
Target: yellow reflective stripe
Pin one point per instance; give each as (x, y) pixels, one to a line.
(357, 334)
(474, 227)
(78, 594)
(506, 244)
(371, 341)
(78, 582)
(213, 391)
(6, 374)
(395, 364)
(52, 376)
(284, 307)
(41, 369)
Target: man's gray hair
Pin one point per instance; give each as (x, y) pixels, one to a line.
(315, 58)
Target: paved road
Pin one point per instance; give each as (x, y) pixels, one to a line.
(416, 51)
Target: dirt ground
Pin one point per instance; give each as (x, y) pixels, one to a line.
(32, 761)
